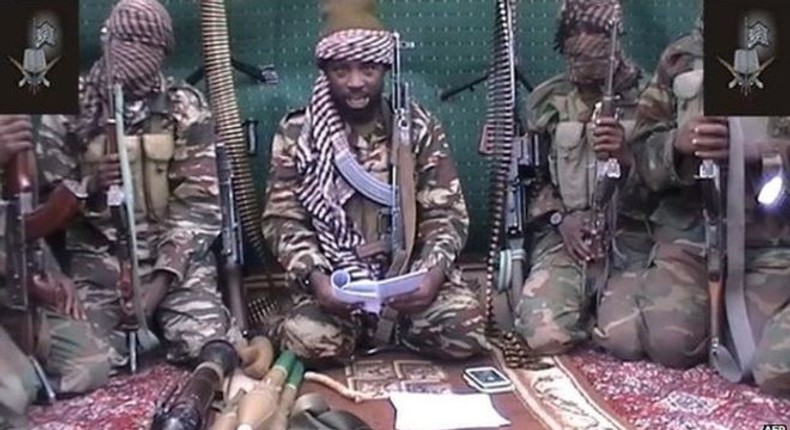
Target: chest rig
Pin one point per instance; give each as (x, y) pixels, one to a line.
(573, 159)
(150, 152)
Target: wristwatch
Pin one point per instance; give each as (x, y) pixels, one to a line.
(306, 284)
(555, 219)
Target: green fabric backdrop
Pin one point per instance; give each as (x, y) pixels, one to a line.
(452, 46)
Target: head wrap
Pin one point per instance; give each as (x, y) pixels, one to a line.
(593, 17)
(138, 35)
(351, 32)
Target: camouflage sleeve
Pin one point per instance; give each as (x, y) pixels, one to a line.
(442, 217)
(652, 142)
(56, 158)
(285, 223)
(194, 217)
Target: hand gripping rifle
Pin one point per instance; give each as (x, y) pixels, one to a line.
(120, 201)
(608, 174)
(25, 261)
(232, 250)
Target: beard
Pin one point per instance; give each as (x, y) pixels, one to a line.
(350, 108)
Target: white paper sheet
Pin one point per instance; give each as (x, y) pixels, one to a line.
(371, 293)
(425, 411)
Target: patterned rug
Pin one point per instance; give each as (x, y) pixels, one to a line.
(649, 396)
(586, 390)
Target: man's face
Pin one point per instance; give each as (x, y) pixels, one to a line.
(356, 86)
(587, 57)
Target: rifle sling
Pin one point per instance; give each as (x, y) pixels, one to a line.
(734, 293)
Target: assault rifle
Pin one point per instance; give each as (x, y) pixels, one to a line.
(709, 178)
(232, 251)
(24, 262)
(402, 205)
(608, 174)
(120, 201)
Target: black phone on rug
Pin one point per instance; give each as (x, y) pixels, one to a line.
(487, 379)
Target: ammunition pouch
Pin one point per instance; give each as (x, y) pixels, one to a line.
(158, 149)
(574, 165)
(149, 159)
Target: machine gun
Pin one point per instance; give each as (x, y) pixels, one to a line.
(25, 261)
(608, 174)
(120, 201)
(232, 251)
(513, 169)
(189, 409)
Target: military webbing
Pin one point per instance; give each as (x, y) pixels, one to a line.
(736, 367)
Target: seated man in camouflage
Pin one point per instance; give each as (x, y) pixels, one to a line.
(665, 315)
(317, 222)
(558, 297)
(62, 339)
(169, 136)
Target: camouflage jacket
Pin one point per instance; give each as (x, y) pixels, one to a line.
(555, 108)
(442, 218)
(673, 96)
(192, 219)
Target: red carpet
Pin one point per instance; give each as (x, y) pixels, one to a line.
(649, 396)
(126, 403)
(642, 395)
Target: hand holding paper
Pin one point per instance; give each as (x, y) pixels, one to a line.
(372, 293)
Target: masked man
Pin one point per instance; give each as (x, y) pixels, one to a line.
(557, 300)
(665, 314)
(317, 220)
(63, 341)
(170, 141)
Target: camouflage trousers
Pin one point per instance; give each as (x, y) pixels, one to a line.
(70, 355)
(451, 328)
(555, 311)
(190, 314)
(663, 311)
(767, 283)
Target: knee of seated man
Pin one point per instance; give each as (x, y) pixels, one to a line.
(771, 371)
(452, 328)
(14, 394)
(85, 373)
(464, 339)
(315, 341)
(546, 330)
(676, 346)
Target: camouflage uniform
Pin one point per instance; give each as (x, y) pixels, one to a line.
(173, 236)
(667, 317)
(554, 311)
(663, 311)
(67, 350)
(450, 328)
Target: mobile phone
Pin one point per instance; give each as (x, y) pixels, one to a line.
(487, 379)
